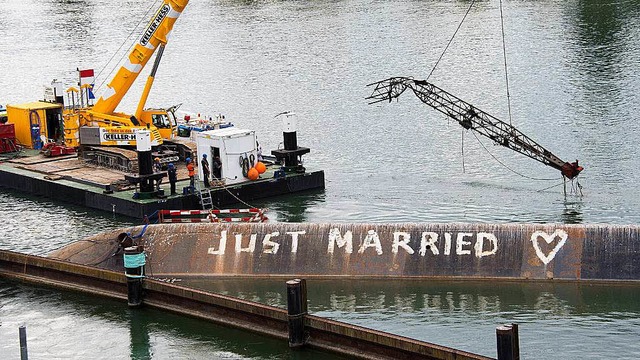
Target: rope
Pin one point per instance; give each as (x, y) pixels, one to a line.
(149, 217)
(462, 147)
(451, 40)
(574, 190)
(142, 19)
(144, 229)
(224, 186)
(504, 52)
(550, 187)
(503, 164)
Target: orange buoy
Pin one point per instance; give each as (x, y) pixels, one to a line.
(253, 174)
(261, 167)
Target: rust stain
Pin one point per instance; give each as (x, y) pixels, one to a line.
(528, 251)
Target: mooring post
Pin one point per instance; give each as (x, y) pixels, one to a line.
(508, 342)
(134, 261)
(303, 291)
(296, 309)
(22, 330)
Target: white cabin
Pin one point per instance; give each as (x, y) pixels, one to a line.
(234, 146)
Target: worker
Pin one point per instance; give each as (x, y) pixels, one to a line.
(157, 167)
(173, 177)
(205, 169)
(259, 151)
(192, 174)
(217, 168)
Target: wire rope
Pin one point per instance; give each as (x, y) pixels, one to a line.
(224, 186)
(462, 149)
(451, 40)
(507, 167)
(551, 187)
(142, 19)
(504, 53)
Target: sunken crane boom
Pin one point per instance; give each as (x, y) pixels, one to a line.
(470, 117)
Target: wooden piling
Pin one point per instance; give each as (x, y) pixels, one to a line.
(318, 333)
(296, 309)
(508, 342)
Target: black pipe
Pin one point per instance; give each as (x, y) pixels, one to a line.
(22, 330)
(295, 310)
(508, 342)
(134, 270)
(290, 140)
(145, 163)
(145, 167)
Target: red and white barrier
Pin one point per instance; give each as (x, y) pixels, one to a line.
(213, 215)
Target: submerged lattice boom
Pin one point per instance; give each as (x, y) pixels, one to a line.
(470, 117)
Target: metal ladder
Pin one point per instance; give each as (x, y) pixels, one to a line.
(205, 198)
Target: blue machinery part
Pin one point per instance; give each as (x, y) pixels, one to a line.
(34, 122)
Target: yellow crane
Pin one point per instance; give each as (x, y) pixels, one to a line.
(100, 133)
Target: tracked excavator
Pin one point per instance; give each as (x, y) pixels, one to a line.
(99, 133)
(472, 118)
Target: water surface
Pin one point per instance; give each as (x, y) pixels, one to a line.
(574, 87)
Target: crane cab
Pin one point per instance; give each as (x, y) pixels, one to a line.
(161, 119)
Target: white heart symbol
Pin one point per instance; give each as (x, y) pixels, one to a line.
(548, 238)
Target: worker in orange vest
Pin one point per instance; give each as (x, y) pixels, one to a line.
(192, 173)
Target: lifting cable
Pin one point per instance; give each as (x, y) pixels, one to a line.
(153, 5)
(224, 186)
(551, 187)
(451, 40)
(442, 55)
(503, 164)
(506, 75)
(575, 187)
(504, 53)
(462, 149)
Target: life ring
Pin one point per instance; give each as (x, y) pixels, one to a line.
(245, 168)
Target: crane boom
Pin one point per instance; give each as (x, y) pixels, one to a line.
(470, 117)
(155, 34)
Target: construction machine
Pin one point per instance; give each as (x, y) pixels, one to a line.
(101, 134)
(472, 118)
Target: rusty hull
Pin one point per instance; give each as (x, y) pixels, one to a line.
(466, 251)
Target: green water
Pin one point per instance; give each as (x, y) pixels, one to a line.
(574, 87)
(65, 325)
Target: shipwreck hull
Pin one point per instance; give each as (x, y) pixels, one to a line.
(465, 251)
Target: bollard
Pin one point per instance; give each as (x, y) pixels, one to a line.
(134, 261)
(22, 330)
(296, 309)
(508, 342)
(303, 292)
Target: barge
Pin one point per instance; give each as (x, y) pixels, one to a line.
(71, 179)
(122, 158)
